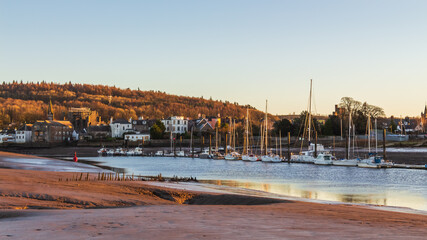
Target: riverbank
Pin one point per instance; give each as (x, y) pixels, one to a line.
(137, 209)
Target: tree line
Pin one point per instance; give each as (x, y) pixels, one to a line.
(26, 102)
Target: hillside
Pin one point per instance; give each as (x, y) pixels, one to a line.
(27, 102)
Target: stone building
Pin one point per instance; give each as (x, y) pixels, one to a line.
(52, 131)
(82, 118)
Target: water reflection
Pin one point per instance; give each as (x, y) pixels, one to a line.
(294, 190)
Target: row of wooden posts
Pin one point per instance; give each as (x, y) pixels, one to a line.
(102, 177)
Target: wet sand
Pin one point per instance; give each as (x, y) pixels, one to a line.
(29, 162)
(36, 205)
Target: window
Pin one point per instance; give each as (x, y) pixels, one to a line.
(179, 121)
(178, 128)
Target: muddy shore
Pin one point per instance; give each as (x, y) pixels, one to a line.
(37, 204)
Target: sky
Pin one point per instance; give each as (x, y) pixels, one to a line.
(243, 51)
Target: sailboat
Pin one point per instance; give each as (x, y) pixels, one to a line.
(308, 156)
(348, 162)
(373, 160)
(269, 156)
(232, 155)
(248, 156)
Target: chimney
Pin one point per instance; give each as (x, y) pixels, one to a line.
(111, 120)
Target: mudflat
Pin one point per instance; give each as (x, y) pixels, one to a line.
(44, 204)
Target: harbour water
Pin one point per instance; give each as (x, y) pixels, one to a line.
(406, 188)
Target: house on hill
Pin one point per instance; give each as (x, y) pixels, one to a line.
(24, 133)
(204, 124)
(176, 124)
(142, 125)
(99, 131)
(119, 127)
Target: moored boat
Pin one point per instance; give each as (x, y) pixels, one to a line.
(324, 159)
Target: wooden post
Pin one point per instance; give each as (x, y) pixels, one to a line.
(203, 143)
(384, 151)
(180, 143)
(289, 147)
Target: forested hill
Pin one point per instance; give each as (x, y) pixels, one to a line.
(27, 102)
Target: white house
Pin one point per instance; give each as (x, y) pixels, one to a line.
(176, 124)
(133, 137)
(7, 137)
(120, 127)
(24, 134)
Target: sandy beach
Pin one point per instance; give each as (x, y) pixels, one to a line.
(61, 205)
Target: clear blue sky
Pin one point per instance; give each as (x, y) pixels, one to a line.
(244, 51)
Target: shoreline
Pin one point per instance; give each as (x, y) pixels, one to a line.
(398, 155)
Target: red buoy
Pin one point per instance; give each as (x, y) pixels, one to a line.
(75, 157)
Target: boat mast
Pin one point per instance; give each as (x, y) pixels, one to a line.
(354, 137)
(262, 137)
(369, 133)
(276, 145)
(234, 134)
(247, 130)
(280, 143)
(376, 137)
(216, 137)
(349, 133)
(266, 131)
(309, 113)
(191, 139)
(230, 132)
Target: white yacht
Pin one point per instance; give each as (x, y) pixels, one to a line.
(110, 151)
(205, 154)
(250, 157)
(324, 159)
(346, 162)
(138, 151)
(232, 156)
(130, 152)
(102, 151)
(271, 158)
(308, 156)
(180, 154)
(159, 153)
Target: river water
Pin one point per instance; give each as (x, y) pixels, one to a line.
(394, 187)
